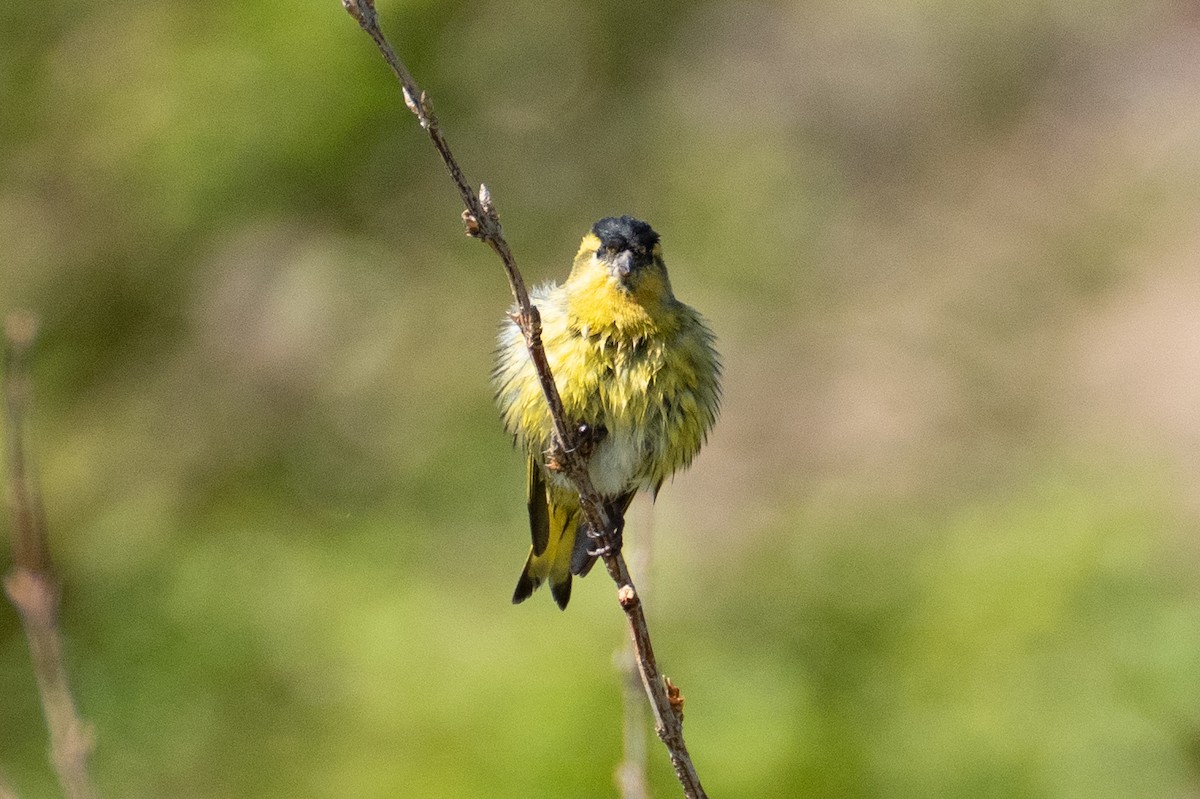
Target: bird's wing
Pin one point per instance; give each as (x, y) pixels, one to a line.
(539, 510)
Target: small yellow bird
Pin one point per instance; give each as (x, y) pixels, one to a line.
(634, 365)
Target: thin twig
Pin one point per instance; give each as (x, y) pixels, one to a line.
(31, 584)
(631, 775)
(484, 223)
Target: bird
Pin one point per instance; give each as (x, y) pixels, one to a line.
(639, 376)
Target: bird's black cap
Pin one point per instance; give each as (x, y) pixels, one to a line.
(625, 233)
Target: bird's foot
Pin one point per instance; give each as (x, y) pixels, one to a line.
(587, 437)
(606, 542)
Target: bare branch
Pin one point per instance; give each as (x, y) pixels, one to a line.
(31, 585)
(483, 222)
(631, 776)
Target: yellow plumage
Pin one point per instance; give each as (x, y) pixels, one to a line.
(631, 362)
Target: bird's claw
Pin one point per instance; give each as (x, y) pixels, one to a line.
(586, 438)
(607, 542)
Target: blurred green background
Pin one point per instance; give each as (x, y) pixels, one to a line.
(941, 544)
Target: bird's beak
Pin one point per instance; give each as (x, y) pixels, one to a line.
(623, 264)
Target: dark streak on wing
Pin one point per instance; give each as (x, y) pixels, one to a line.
(539, 510)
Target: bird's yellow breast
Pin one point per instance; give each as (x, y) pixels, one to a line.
(642, 367)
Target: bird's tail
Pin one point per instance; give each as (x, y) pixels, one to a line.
(553, 562)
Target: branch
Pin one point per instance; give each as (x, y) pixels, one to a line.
(630, 776)
(484, 223)
(31, 585)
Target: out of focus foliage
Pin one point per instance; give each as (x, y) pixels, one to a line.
(941, 544)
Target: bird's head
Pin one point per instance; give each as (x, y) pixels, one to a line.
(624, 253)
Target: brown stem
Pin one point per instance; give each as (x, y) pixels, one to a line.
(484, 223)
(31, 585)
(631, 776)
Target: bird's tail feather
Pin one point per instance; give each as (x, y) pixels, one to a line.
(554, 562)
(567, 548)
